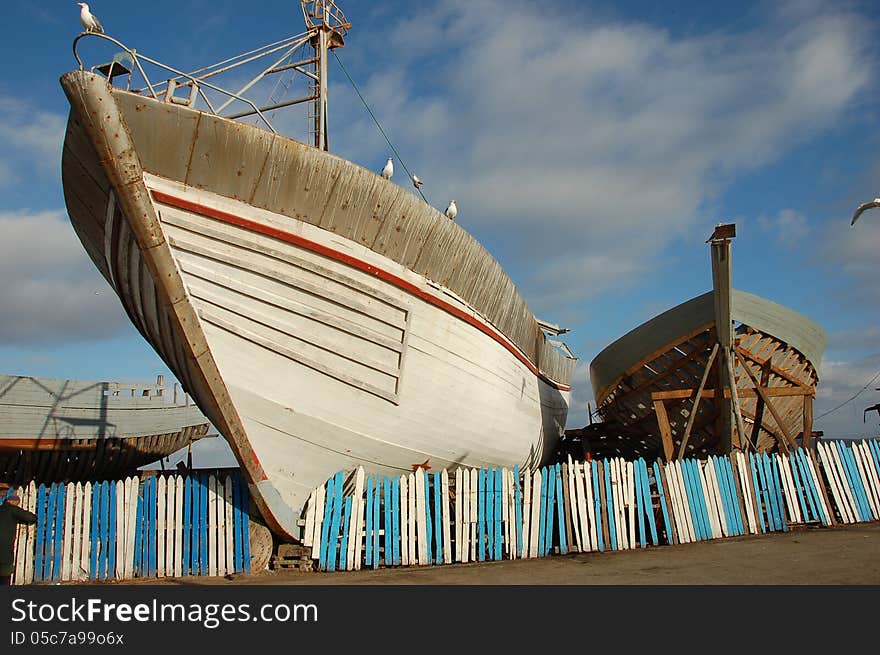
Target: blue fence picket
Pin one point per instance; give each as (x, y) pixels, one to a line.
(696, 517)
(551, 510)
(481, 515)
(799, 485)
(560, 511)
(111, 533)
(758, 495)
(438, 519)
(395, 521)
(518, 510)
(724, 492)
(490, 514)
(855, 481)
(597, 502)
(368, 550)
(777, 481)
(609, 508)
(429, 523)
(204, 524)
(49, 539)
(499, 512)
(640, 502)
(95, 530)
(244, 498)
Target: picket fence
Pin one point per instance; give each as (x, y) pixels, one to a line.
(159, 526)
(425, 518)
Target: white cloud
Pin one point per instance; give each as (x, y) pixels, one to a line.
(839, 381)
(613, 137)
(49, 283)
(789, 227)
(31, 139)
(853, 252)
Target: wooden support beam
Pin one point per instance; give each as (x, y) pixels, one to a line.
(786, 375)
(737, 410)
(665, 430)
(808, 420)
(679, 394)
(693, 416)
(769, 405)
(759, 409)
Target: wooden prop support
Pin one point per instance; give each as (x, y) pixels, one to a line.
(693, 416)
(769, 405)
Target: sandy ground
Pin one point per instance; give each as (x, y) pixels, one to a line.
(822, 556)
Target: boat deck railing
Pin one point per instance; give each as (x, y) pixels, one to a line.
(128, 61)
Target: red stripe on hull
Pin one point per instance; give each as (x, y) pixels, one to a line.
(359, 264)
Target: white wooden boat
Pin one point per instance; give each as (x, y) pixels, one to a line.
(321, 316)
(60, 430)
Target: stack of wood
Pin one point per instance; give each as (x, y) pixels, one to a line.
(292, 556)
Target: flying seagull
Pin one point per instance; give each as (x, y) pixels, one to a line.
(89, 22)
(388, 171)
(865, 205)
(416, 181)
(451, 210)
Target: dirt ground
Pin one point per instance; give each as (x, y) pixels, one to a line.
(819, 556)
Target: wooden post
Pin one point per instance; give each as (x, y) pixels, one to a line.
(759, 410)
(721, 284)
(693, 416)
(808, 421)
(737, 411)
(665, 430)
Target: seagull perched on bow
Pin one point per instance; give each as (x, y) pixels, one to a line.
(451, 210)
(416, 181)
(865, 205)
(89, 22)
(388, 171)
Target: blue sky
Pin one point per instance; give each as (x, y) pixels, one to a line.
(591, 146)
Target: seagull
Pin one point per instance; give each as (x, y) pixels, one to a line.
(89, 22)
(416, 181)
(865, 205)
(388, 171)
(451, 210)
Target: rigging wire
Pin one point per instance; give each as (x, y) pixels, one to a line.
(376, 121)
(845, 402)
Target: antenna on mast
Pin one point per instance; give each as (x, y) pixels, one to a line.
(327, 27)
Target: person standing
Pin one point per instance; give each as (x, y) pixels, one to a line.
(11, 515)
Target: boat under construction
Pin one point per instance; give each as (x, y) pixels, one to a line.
(54, 430)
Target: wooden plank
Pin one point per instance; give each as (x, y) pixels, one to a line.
(444, 499)
(665, 429)
(865, 480)
(710, 394)
(421, 520)
(630, 495)
(599, 494)
(550, 472)
(845, 483)
(336, 523)
(608, 504)
(818, 486)
(766, 397)
(356, 536)
(519, 510)
(526, 540)
(320, 513)
(872, 480)
(438, 519)
(663, 494)
(330, 494)
(834, 482)
(309, 528)
(412, 520)
(640, 506)
(67, 535)
(535, 534)
(85, 527)
(580, 520)
(568, 495)
(368, 546)
(459, 518)
(376, 524)
(404, 521)
(465, 498)
(560, 511)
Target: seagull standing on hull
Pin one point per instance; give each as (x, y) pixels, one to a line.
(865, 205)
(451, 210)
(388, 171)
(88, 20)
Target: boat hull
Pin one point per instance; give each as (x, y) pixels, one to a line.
(670, 353)
(61, 430)
(309, 348)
